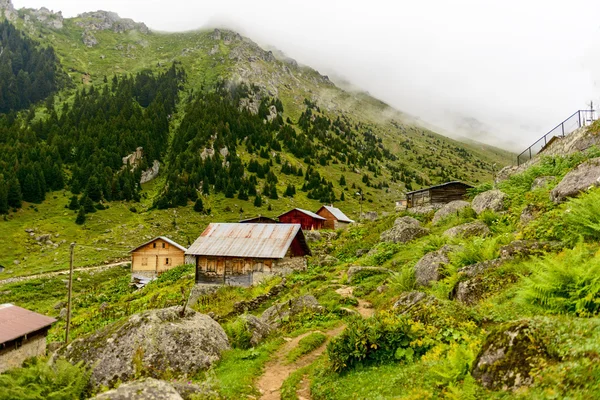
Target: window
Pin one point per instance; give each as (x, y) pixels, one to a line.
(144, 260)
(154, 245)
(166, 261)
(163, 245)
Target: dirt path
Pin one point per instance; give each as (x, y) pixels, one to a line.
(277, 370)
(62, 272)
(364, 308)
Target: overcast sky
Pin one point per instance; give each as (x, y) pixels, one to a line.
(518, 67)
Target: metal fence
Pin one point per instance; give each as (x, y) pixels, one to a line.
(577, 120)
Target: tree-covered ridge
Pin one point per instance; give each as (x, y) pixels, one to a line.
(28, 73)
(89, 137)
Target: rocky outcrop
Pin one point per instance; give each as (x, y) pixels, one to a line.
(541, 181)
(404, 230)
(585, 176)
(492, 200)
(312, 236)
(508, 356)
(369, 215)
(134, 157)
(149, 344)
(427, 269)
(475, 228)
(8, 10)
(150, 173)
(149, 389)
(107, 20)
(471, 287)
(452, 208)
(528, 214)
(354, 270)
(409, 300)
(426, 209)
(275, 314)
(328, 261)
(44, 17)
(259, 329)
(528, 248)
(272, 113)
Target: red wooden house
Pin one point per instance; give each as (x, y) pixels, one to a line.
(307, 220)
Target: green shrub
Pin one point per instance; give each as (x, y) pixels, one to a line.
(582, 217)
(564, 283)
(238, 334)
(39, 380)
(383, 338)
(385, 252)
(306, 345)
(476, 251)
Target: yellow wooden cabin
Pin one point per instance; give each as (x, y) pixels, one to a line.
(156, 256)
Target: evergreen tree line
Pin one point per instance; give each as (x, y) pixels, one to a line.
(28, 72)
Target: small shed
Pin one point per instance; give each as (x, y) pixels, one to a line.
(334, 217)
(156, 256)
(438, 194)
(260, 219)
(308, 220)
(22, 335)
(245, 254)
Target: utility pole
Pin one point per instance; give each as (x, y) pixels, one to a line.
(360, 201)
(70, 294)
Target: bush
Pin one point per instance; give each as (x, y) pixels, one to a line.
(306, 345)
(382, 338)
(582, 217)
(565, 284)
(238, 333)
(476, 251)
(39, 380)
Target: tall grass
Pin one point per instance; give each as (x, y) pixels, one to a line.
(565, 284)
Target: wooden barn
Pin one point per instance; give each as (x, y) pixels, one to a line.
(156, 256)
(308, 220)
(439, 194)
(260, 219)
(22, 335)
(334, 217)
(245, 254)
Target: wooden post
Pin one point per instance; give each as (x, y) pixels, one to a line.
(156, 267)
(70, 294)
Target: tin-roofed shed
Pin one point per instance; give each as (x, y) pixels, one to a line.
(244, 254)
(22, 335)
(438, 194)
(334, 217)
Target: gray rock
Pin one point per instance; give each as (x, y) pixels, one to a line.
(63, 314)
(452, 208)
(151, 172)
(528, 214)
(278, 312)
(106, 20)
(43, 238)
(426, 209)
(527, 248)
(541, 181)
(200, 290)
(257, 327)
(408, 300)
(492, 200)
(475, 228)
(369, 215)
(427, 269)
(150, 343)
(404, 230)
(585, 176)
(508, 356)
(89, 39)
(328, 261)
(272, 111)
(471, 287)
(312, 236)
(361, 252)
(354, 270)
(147, 389)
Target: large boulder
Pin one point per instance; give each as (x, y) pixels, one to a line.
(404, 230)
(408, 300)
(426, 209)
(472, 286)
(508, 356)
(150, 343)
(492, 200)
(452, 208)
(312, 236)
(528, 248)
(475, 228)
(427, 269)
(353, 271)
(148, 389)
(274, 315)
(585, 176)
(541, 182)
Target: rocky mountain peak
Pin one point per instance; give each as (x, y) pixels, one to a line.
(8, 10)
(108, 20)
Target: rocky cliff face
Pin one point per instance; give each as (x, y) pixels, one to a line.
(7, 10)
(107, 20)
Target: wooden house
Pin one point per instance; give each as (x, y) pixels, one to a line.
(245, 254)
(334, 217)
(439, 194)
(260, 219)
(156, 256)
(308, 220)
(22, 335)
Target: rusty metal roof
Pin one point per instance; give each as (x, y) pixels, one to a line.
(166, 239)
(441, 185)
(337, 213)
(247, 240)
(16, 322)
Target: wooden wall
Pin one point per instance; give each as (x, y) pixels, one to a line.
(158, 256)
(298, 217)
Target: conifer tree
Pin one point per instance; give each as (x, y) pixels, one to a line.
(258, 201)
(198, 205)
(80, 220)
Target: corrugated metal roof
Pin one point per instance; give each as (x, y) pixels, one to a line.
(310, 213)
(438, 186)
(16, 322)
(245, 240)
(338, 214)
(166, 239)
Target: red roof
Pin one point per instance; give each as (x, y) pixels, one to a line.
(16, 322)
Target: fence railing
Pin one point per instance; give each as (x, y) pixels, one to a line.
(577, 120)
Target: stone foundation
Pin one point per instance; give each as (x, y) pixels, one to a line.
(17, 351)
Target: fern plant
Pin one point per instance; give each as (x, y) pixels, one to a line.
(565, 284)
(582, 217)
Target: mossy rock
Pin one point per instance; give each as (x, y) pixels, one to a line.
(509, 355)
